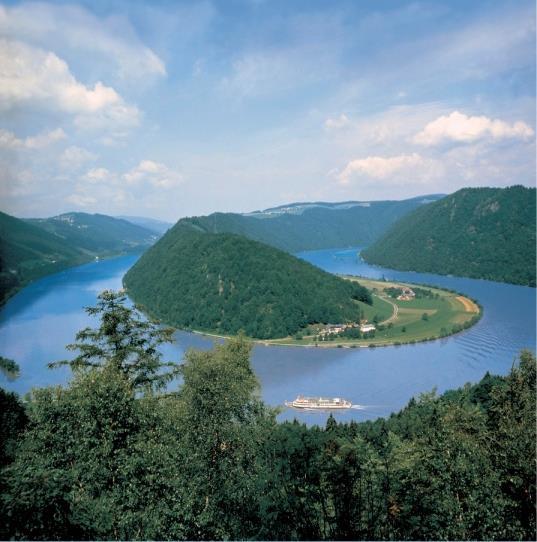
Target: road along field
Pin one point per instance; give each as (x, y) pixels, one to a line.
(402, 313)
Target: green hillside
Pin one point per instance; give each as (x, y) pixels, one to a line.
(30, 249)
(28, 252)
(225, 283)
(484, 233)
(313, 226)
(97, 234)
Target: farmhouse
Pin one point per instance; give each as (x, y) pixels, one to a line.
(332, 330)
(366, 328)
(407, 294)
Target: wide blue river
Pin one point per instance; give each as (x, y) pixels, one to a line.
(39, 321)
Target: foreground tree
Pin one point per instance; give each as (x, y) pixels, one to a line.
(512, 421)
(9, 368)
(68, 478)
(124, 340)
(100, 460)
(225, 426)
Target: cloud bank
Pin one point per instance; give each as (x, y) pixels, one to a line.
(459, 128)
(32, 77)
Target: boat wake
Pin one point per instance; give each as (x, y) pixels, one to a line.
(369, 407)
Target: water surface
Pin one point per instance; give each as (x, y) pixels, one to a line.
(39, 321)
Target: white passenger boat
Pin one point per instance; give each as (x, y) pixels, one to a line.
(320, 403)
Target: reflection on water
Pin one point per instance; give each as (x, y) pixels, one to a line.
(37, 323)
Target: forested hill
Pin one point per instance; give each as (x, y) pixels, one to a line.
(225, 283)
(476, 232)
(30, 249)
(96, 233)
(28, 252)
(312, 226)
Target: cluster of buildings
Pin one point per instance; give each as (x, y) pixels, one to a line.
(407, 294)
(338, 328)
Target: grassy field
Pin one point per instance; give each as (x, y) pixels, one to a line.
(440, 314)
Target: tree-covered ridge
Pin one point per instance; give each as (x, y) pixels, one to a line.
(28, 252)
(225, 283)
(96, 233)
(33, 248)
(105, 459)
(484, 233)
(315, 227)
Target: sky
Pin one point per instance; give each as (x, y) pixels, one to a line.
(173, 109)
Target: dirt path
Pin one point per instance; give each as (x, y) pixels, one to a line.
(469, 306)
(395, 310)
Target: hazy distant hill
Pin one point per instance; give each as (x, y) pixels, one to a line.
(96, 233)
(224, 283)
(28, 252)
(158, 226)
(311, 226)
(32, 248)
(475, 232)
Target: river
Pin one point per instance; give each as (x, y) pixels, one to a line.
(37, 323)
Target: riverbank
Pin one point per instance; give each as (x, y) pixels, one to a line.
(429, 314)
(37, 323)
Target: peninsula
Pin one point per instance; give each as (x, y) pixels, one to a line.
(225, 283)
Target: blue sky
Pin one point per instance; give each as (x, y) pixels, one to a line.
(171, 109)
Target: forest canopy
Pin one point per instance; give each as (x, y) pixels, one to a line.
(486, 233)
(226, 283)
(105, 459)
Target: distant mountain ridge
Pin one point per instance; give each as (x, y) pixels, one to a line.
(96, 233)
(300, 207)
(33, 248)
(158, 226)
(311, 226)
(224, 283)
(484, 233)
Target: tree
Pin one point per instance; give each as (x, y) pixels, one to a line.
(124, 340)
(512, 420)
(447, 487)
(224, 427)
(9, 368)
(13, 421)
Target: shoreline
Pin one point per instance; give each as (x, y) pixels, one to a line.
(472, 309)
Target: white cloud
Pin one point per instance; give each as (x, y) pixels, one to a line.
(8, 140)
(81, 200)
(413, 167)
(100, 188)
(460, 128)
(34, 76)
(70, 26)
(15, 182)
(75, 157)
(147, 172)
(99, 175)
(336, 124)
(154, 173)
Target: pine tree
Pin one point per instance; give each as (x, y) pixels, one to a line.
(124, 340)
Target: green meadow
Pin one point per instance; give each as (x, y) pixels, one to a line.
(436, 314)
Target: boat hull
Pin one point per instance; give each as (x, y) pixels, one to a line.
(313, 405)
